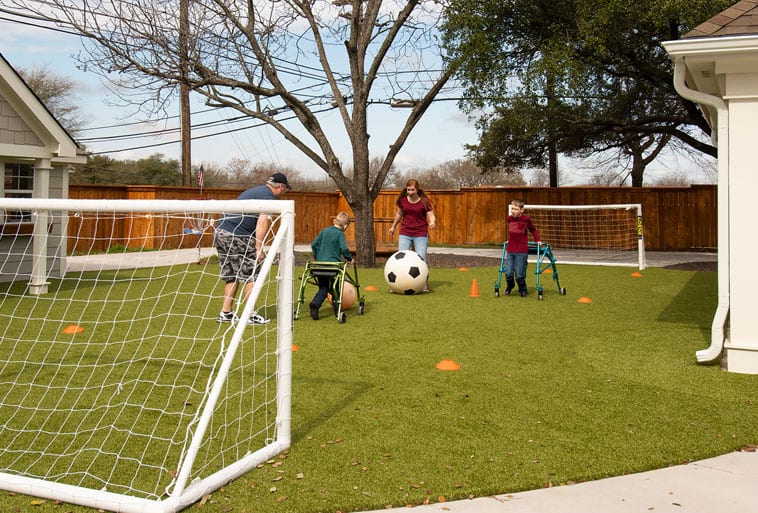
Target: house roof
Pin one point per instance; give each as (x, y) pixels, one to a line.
(738, 20)
(726, 44)
(29, 130)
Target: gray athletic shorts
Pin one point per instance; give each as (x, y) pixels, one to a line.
(236, 257)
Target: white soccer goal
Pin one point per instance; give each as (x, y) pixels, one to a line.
(119, 389)
(607, 234)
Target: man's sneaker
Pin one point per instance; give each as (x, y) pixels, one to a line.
(314, 311)
(227, 317)
(258, 320)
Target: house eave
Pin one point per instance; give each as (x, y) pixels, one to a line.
(712, 46)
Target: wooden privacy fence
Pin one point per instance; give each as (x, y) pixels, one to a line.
(674, 218)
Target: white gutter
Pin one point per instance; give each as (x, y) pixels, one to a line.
(721, 139)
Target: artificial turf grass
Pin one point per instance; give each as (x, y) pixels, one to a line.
(524, 384)
(548, 392)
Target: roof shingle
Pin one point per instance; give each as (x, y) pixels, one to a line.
(738, 20)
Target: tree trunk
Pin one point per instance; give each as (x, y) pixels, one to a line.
(364, 233)
(553, 163)
(638, 169)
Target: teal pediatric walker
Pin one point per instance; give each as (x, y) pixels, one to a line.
(545, 263)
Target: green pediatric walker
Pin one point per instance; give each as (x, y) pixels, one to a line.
(341, 274)
(545, 262)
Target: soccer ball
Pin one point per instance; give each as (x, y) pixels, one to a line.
(406, 272)
(349, 296)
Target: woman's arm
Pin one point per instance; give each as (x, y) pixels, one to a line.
(431, 219)
(396, 221)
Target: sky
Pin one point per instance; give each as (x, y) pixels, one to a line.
(440, 136)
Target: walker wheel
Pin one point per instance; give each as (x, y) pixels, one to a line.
(361, 307)
(497, 291)
(342, 317)
(539, 296)
(563, 291)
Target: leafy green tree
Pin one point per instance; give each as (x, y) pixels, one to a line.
(153, 170)
(575, 76)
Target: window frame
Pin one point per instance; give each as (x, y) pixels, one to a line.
(16, 222)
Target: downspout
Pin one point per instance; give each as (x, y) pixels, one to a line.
(721, 140)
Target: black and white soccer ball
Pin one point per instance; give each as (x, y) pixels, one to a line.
(406, 272)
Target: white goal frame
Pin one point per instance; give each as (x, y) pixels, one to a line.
(277, 273)
(636, 239)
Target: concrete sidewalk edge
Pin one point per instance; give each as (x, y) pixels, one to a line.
(724, 484)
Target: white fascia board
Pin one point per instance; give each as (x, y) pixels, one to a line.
(711, 46)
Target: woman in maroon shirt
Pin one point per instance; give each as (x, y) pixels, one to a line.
(415, 215)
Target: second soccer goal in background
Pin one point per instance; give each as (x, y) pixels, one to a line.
(609, 234)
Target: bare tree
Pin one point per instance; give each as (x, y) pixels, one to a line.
(458, 173)
(56, 92)
(540, 177)
(236, 169)
(280, 62)
(672, 179)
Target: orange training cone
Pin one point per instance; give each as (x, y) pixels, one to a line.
(636, 275)
(474, 289)
(463, 269)
(584, 299)
(370, 288)
(448, 365)
(70, 330)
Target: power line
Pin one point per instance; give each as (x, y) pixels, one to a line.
(302, 71)
(204, 136)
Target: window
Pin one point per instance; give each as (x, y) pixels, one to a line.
(18, 182)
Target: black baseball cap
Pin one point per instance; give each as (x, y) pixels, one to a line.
(279, 178)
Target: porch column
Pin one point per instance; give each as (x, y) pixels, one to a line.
(742, 338)
(39, 283)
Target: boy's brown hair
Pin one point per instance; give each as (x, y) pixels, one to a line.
(342, 220)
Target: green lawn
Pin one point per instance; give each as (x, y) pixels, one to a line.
(549, 392)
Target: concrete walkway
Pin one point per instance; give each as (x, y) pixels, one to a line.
(725, 484)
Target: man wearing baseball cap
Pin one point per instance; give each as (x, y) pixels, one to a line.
(240, 241)
(279, 179)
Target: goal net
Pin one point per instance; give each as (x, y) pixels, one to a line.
(119, 389)
(607, 234)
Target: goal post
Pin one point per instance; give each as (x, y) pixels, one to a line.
(119, 388)
(612, 233)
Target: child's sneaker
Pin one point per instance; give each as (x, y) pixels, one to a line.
(227, 317)
(258, 320)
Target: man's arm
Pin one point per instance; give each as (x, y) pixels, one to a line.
(261, 231)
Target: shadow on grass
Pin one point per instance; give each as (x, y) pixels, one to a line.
(326, 407)
(694, 304)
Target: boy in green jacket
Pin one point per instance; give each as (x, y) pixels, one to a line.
(329, 246)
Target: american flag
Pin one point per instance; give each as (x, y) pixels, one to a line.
(200, 177)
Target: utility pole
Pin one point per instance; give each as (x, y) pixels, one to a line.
(184, 118)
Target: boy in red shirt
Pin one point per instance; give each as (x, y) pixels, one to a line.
(517, 248)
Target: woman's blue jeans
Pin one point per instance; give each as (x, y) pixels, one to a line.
(420, 244)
